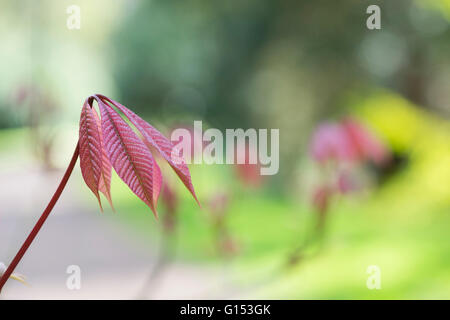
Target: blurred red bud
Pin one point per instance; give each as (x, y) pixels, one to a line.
(249, 174)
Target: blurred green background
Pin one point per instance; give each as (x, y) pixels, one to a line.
(244, 64)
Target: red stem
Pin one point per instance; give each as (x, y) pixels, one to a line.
(41, 220)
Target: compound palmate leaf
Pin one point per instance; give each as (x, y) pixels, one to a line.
(130, 157)
(156, 139)
(108, 142)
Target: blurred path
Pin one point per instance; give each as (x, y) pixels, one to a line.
(113, 264)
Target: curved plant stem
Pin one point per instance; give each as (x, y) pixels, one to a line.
(165, 258)
(41, 220)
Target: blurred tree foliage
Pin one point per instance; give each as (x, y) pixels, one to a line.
(216, 58)
(261, 64)
(277, 64)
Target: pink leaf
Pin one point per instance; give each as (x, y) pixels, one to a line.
(130, 157)
(90, 150)
(163, 145)
(104, 185)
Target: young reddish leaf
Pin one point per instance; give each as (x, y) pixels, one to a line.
(104, 184)
(90, 150)
(163, 145)
(130, 157)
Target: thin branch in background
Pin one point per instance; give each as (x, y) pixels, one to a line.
(165, 256)
(167, 242)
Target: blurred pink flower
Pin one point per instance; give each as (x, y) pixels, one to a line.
(366, 144)
(347, 141)
(330, 142)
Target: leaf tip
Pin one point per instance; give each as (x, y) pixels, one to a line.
(155, 213)
(99, 202)
(198, 202)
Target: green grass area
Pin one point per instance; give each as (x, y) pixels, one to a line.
(409, 244)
